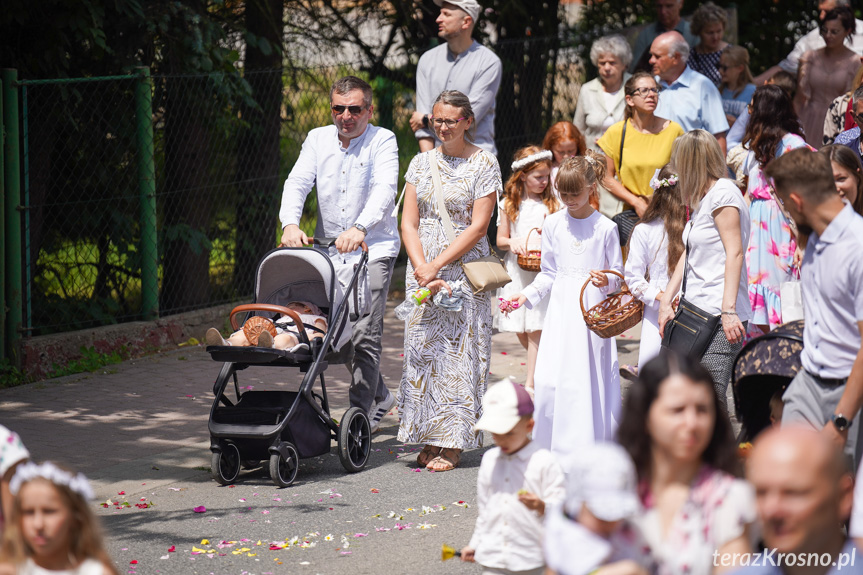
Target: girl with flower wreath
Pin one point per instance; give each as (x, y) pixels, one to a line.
(577, 376)
(655, 246)
(527, 200)
(52, 528)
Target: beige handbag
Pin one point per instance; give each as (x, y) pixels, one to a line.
(484, 274)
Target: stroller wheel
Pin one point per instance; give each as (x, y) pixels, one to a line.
(225, 466)
(355, 440)
(284, 466)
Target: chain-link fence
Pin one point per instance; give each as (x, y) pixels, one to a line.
(121, 225)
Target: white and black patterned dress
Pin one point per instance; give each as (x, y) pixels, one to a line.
(447, 353)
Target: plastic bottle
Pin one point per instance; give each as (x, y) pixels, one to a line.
(416, 299)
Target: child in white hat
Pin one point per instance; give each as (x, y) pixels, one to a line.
(592, 528)
(517, 481)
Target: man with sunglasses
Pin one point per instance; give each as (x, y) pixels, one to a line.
(460, 63)
(354, 167)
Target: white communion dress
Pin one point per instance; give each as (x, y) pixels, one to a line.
(648, 256)
(531, 214)
(577, 378)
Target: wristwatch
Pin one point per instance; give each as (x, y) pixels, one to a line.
(425, 120)
(840, 422)
(362, 228)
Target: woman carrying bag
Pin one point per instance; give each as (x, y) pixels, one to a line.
(714, 309)
(447, 353)
(635, 148)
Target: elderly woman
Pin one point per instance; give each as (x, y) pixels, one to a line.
(708, 23)
(716, 237)
(639, 145)
(600, 101)
(447, 353)
(681, 442)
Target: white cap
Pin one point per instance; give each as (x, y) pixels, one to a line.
(603, 478)
(503, 405)
(470, 6)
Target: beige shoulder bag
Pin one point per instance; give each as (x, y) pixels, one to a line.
(484, 274)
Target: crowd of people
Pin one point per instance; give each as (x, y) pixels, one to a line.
(700, 187)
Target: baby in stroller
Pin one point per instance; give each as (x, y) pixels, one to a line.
(287, 333)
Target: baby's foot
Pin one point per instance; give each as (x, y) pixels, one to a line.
(265, 339)
(215, 338)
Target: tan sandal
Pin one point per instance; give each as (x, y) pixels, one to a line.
(448, 458)
(428, 453)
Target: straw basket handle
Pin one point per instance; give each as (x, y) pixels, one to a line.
(302, 336)
(584, 287)
(527, 239)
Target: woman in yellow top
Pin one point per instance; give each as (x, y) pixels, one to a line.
(646, 146)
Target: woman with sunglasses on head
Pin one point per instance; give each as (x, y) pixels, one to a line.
(773, 129)
(636, 147)
(825, 73)
(447, 353)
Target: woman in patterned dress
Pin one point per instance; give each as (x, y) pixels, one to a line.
(447, 353)
(708, 23)
(773, 129)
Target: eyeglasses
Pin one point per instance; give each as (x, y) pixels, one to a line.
(450, 123)
(724, 66)
(643, 92)
(354, 110)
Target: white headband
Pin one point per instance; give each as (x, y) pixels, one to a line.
(29, 471)
(537, 157)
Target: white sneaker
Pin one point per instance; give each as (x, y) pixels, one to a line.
(379, 410)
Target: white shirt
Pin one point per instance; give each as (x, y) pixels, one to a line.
(597, 110)
(832, 275)
(813, 41)
(508, 535)
(356, 185)
(705, 280)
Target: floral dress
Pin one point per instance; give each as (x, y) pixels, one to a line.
(447, 353)
(770, 254)
(717, 511)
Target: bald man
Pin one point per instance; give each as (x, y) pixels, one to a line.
(687, 97)
(803, 494)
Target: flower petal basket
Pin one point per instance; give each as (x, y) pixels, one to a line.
(613, 315)
(530, 261)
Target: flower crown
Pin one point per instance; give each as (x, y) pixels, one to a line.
(656, 183)
(29, 471)
(544, 155)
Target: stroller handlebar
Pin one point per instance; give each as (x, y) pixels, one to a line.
(330, 242)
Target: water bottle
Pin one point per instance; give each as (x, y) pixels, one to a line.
(416, 299)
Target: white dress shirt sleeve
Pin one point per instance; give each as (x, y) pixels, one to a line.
(637, 265)
(300, 182)
(553, 492)
(383, 185)
(541, 285)
(808, 42)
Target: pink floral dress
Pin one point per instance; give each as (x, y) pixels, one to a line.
(717, 511)
(770, 255)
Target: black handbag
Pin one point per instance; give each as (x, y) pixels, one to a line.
(626, 219)
(692, 329)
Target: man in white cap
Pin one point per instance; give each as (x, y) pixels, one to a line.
(463, 64)
(591, 529)
(517, 481)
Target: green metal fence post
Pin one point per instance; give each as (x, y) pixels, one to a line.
(2, 228)
(147, 195)
(12, 217)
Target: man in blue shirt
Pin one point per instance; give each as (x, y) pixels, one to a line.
(686, 97)
(804, 493)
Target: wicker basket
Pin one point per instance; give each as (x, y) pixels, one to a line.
(613, 315)
(531, 260)
(255, 326)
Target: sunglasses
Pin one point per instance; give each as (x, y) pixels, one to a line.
(354, 110)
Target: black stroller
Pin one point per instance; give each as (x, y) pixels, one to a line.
(284, 426)
(765, 365)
